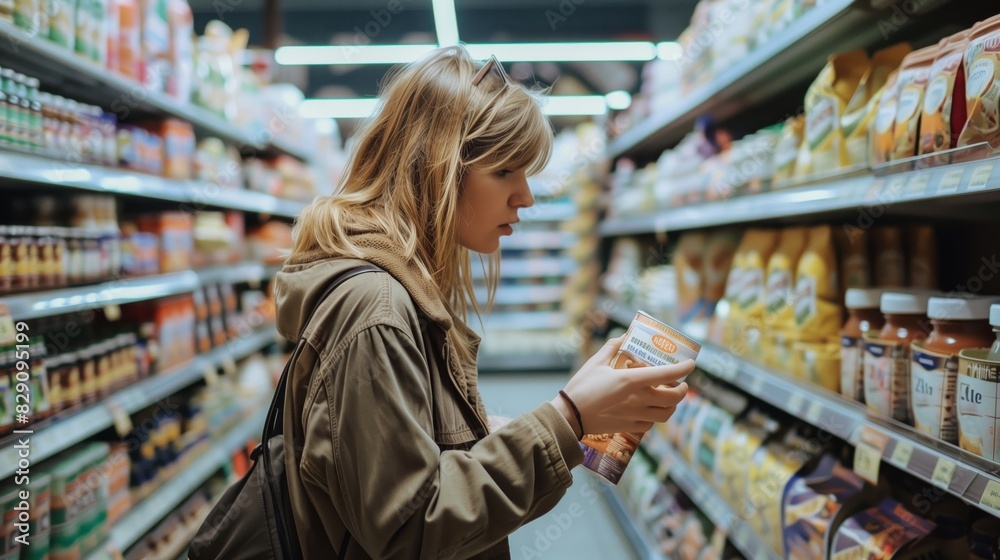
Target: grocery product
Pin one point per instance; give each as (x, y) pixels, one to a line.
(958, 323)
(62, 22)
(887, 356)
(27, 13)
(787, 150)
(825, 105)
(746, 437)
(178, 148)
(647, 342)
(982, 90)
(180, 82)
(39, 504)
(859, 113)
(922, 257)
(719, 252)
(688, 262)
(864, 318)
(913, 77)
(780, 298)
(748, 292)
(978, 394)
(882, 142)
(129, 38)
(879, 532)
(944, 111)
(817, 304)
(175, 231)
(155, 65)
(816, 503)
(890, 257)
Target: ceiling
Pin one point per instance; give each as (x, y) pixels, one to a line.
(314, 22)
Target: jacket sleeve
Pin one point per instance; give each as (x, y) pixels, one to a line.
(398, 494)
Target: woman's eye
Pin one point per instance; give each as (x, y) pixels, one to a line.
(503, 173)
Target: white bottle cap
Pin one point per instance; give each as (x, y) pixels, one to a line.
(995, 315)
(960, 308)
(863, 298)
(905, 303)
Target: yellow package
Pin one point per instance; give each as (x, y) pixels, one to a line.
(780, 288)
(982, 88)
(860, 111)
(826, 102)
(914, 74)
(817, 363)
(771, 469)
(688, 263)
(728, 312)
(818, 309)
(944, 111)
(751, 293)
(787, 151)
(882, 143)
(779, 350)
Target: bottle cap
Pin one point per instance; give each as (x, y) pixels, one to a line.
(995, 315)
(863, 298)
(960, 308)
(905, 303)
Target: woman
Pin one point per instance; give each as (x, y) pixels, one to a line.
(393, 452)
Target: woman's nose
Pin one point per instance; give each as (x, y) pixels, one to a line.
(522, 197)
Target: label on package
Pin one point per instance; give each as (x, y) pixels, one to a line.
(933, 382)
(648, 342)
(852, 372)
(887, 377)
(977, 399)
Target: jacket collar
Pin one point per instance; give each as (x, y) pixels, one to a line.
(379, 250)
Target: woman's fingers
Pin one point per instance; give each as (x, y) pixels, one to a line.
(653, 376)
(608, 351)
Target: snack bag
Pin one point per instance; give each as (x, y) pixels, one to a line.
(825, 103)
(818, 310)
(882, 142)
(751, 295)
(879, 533)
(788, 149)
(982, 89)
(647, 342)
(860, 111)
(944, 112)
(913, 77)
(816, 503)
(780, 297)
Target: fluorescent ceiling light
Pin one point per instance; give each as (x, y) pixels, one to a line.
(506, 52)
(445, 22)
(556, 105)
(350, 54)
(618, 100)
(669, 50)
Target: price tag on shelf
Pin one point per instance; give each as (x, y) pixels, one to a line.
(917, 185)
(980, 177)
(757, 385)
(814, 412)
(950, 181)
(119, 417)
(112, 312)
(795, 403)
(901, 454)
(944, 471)
(991, 496)
(868, 454)
(211, 375)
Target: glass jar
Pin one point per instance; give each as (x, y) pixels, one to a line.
(864, 316)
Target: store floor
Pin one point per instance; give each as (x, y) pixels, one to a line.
(582, 526)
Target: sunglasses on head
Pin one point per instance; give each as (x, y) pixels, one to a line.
(492, 65)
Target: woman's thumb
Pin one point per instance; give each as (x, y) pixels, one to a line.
(608, 351)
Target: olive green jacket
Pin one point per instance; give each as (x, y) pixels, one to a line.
(387, 435)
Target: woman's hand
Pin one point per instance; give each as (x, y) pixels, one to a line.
(623, 400)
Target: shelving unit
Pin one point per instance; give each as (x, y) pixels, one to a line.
(149, 512)
(77, 427)
(707, 499)
(642, 543)
(69, 74)
(128, 290)
(972, 478)
(46, 172)
(960, 184)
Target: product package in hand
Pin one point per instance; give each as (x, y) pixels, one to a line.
(648, 342)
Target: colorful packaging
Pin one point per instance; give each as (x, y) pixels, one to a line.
(879, 533)
(978, 397)
(180, 83)
(750, 295)
(175, 231)
(27, 13)
(913, 77)
(883, 142)
(647, 342)
(817, 363)
(770, 471)
(944, 112)
(155, 65)
(62, 23)
(861, 110)
(825, 104)
(818, 309)
(787, 151)
(780, 297)
(178, 148)
(982, 88)
(815, 504)
(129, 38)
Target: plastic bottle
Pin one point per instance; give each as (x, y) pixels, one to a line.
(863, 316)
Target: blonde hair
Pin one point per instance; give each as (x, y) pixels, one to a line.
(406, 168)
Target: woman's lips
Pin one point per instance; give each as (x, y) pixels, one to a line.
(506, 229)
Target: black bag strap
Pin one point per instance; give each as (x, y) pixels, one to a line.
(273, 424)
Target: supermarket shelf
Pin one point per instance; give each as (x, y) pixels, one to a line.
(975, 480)
(525, 362)
(119, 292)
(794, 55)
(66, 432)
(525, 320)
(195, 195)
(539, 240)
(516, 295)
(707, 499)
(642, 543)
(69, 74)
(550, 211)
(966, 184)
(151, 511)
(530, 268)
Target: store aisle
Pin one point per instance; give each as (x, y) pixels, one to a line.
(582, 525)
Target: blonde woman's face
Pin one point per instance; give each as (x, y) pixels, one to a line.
(488, 205)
